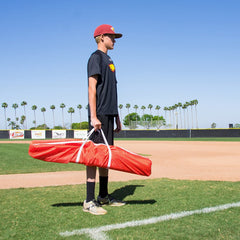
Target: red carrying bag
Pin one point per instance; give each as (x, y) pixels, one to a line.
(90, 154)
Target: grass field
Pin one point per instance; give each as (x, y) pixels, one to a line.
(14, 158)
(43, 213)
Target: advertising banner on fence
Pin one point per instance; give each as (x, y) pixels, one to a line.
(81, 134)
(38, 134)
(16, 134)
(59, 133)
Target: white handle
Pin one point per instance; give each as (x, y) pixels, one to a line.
(105, 141)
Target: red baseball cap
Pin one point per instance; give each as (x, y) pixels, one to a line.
(106, 29)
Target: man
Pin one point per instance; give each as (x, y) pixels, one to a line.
(103, 109)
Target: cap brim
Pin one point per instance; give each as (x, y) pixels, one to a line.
(118, 35)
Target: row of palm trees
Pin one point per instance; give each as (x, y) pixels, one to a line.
(174, 119)
(175, 114)
(23, 121)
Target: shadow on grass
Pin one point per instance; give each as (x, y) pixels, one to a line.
(120, 194)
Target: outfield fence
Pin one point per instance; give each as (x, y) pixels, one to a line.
(186, 133)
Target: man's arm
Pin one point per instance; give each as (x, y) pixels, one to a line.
(92, 99)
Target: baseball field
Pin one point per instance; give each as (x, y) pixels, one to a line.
(193, 193)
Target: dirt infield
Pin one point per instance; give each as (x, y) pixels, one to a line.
(218, 161)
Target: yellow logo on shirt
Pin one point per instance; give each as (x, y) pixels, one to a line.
(112, 67)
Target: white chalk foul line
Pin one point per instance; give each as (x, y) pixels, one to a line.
(98, 233)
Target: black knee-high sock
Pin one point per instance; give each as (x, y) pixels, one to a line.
(90, 191)
(103, 186)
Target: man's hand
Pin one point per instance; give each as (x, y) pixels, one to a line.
(96, 123)
(119, 125)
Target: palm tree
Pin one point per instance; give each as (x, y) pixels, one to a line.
(43, 110)
(157, 108)
(143, 108)
(128, 107)
(180, 113)
(195, 104)
(23, 118)
(187, 105)
(34, 108)
(170, 115)
(53, 108)
(150, 106)
(62, 106)
(176, 114)
(15, 106)
(184, 107)
(136, 108)
(191, 104)
(165, 110)
(5, 105)
(79, 106)
(24, 103)
(120, 107)
(71, 111)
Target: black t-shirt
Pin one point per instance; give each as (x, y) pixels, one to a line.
(101, 64)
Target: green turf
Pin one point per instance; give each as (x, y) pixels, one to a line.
(42, 213)
(14, 158)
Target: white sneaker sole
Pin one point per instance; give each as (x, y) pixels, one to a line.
(94, 213)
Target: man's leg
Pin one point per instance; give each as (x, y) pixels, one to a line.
(90, 204)
(91, 179)
(103, 182)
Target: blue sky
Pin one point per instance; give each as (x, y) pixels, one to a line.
(171, 51)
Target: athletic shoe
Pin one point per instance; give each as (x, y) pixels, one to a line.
(109, 200)
(93, 207)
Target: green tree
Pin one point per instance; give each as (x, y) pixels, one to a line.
(62, 106)
(52, 107)
(213, 125)
(79, 106)
(195, 103)
(191, 104)
(23, 118)
(131, 119)
(15, 106)
(165, 111)
(120, 107)
(187, 105)
(143, 109)
(43, 110)
(34, 108)
(84, 125)
(24, 103)
(146, 120)
(150, 106)
(5, 105)
(176, 114)
(184, 107)
(128, 107)
(71, 111)
(180, 113)
(157, 108)
(12, 125)
(158, 121)
(136, 108)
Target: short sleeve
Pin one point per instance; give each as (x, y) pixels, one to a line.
(94, 67)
